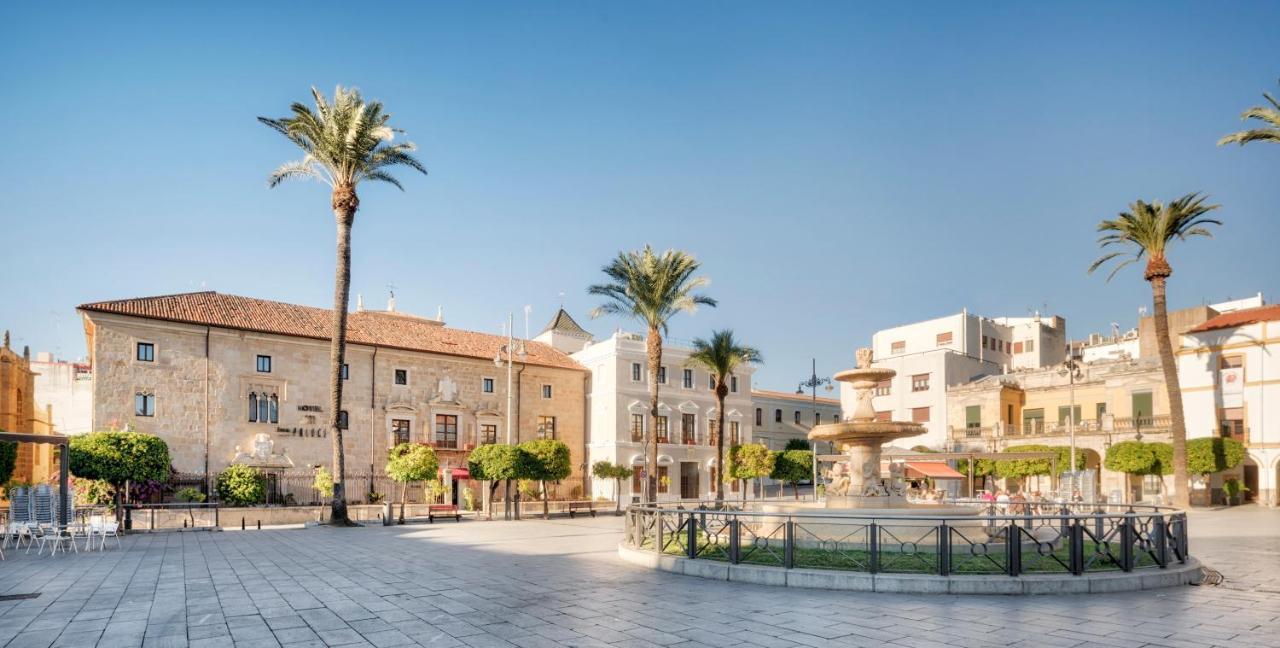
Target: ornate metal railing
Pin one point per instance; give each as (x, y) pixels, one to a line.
(1019, 539)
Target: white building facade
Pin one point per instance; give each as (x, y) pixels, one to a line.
(932, 355)
(66, 390)
(618, 411)
(1229, 369)
(779, 417)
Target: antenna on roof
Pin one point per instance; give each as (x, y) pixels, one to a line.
(391, 299)
(561, 300)
(527, 309)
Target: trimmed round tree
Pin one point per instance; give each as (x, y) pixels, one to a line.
(747, 462)
(1022, 468)
(545, 460)
(8, 460)
(616, 472)
(1133, 458)
(241, 485)
(117, 458)
(797, 444)
(1208, 455)
(494, 463)
(793, 467)
(411, 462)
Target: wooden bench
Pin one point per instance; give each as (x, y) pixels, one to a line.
(443, 510)
(588, 506)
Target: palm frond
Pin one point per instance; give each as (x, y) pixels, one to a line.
(1269, 116)
(1147, 229)
(651, 287)
(346, 139)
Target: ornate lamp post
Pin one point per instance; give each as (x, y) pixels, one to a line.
(813, 383)
(1071, 369)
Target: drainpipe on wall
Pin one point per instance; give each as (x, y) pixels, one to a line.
(373, 419)
(586, 434)
(206, 409)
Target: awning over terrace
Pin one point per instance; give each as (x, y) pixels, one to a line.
(931, 469)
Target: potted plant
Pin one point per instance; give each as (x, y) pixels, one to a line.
(1233, 490)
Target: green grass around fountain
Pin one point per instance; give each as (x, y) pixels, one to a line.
(965, 558)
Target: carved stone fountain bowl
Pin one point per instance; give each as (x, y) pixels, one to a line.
(868, 374)
(864, 431)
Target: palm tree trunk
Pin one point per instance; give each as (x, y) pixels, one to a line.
(617, 496)
(654, 346)
(546, 506)
(1178, 424)
(345, 203)
(720, 394)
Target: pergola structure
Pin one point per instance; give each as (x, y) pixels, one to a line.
(969, 456)
(64, 469)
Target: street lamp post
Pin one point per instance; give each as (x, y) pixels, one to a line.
(1071, 369)
(498, 360)
(813, 382)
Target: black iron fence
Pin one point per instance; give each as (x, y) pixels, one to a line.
(1068, 539)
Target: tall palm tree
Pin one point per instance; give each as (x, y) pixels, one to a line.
(651, 288)
(1268, 116)
(344, 142)
(1146, 230)
(721, 356)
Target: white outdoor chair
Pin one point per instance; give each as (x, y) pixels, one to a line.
(110, 530)
(92, 531)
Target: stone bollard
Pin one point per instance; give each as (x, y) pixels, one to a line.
(387, 517)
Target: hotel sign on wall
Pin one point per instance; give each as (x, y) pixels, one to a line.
(306, 432)
(1232, 385)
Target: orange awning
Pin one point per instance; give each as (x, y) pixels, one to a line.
(932, 469)
(456, 473)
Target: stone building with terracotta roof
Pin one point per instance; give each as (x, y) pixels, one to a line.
(229, 379)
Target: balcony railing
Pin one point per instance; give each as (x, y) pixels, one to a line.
(1127, 425)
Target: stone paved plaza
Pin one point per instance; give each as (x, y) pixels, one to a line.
(559, 583)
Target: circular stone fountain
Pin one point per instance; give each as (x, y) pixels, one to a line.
(856, 482)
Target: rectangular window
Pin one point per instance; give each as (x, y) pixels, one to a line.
(944, 339)
(1225, 362)
(664, 480)
(1142, 408)
(661, 423)
(1233, 423)
(144, 404)
(346, 371)
(264, 364)
(817, 418)
(733, 433)
(662, 375)
(1064, 411)
(399, 431)
(883, 416)
(795, 417)
(1031, 346)
(1017, 347)
(986, 341)
(637, 479)
(486, 385)
(689, 429)
(733, 384)
(898, 347)
(636, 373)
(488, 433)
(883, 387)
(637, 427)
(920, 382)
(343, 420)
(546, 391)
(1033, 420)
(546, 427)
(777, 416)
(446, 431)
(973, 417)
(146, 352)
(688, 379)
(402, 376)
(759, 416)
(1099, 410)
(919, 415)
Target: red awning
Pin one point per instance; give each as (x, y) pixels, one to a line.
(456, 473)
(933, 469)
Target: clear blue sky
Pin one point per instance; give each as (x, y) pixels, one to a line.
(838, 167)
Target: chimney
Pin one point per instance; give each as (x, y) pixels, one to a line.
(391, 303)
(439, 313)
(359, 303)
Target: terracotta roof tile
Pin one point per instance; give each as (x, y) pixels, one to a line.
(1240, 318)
(392, 330)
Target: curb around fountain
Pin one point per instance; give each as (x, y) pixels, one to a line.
(1189, 573)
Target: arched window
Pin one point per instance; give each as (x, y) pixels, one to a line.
(274, 409)
(759, 416)
(253, 407)
(264, 413)
(342, 419)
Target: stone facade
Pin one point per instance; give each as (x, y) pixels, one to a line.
(19, 413)
(202, 377)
